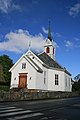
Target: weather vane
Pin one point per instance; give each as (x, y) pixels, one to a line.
(29, 44)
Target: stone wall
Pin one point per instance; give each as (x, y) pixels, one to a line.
(23, 95)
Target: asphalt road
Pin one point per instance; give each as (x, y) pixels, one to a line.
(58, 109)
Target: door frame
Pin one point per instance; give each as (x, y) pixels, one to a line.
(23, 75)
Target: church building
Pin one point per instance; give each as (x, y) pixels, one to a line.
(40, 72)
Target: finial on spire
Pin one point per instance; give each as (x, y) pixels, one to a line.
(49, 32)
(29, 44)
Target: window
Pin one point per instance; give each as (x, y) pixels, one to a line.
(30, 78)
(53, 50)
(44, 77)
(66, 80)
(69, 82)
(33, 57)
(56, 79)
(47, 50)
(23, 65)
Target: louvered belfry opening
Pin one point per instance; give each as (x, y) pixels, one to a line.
(47, 50)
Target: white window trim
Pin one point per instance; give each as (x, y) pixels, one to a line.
(56, 80)
(23, 66)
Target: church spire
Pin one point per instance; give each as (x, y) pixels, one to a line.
(49, 46)
(49, 31)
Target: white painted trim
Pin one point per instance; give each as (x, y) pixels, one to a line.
(16, 63)
(20, 60)
(34, 56)
(24, 55)
(31, 62)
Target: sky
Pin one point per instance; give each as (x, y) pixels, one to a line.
(26, 21)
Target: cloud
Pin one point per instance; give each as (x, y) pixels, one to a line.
(18, 41)
(56, 45)
(8, 5)
(57, 34)
(1, 37)
(74, 10)
(44, 30)
(52, 33)
(68, 44)
(75, 43)
(76, 39)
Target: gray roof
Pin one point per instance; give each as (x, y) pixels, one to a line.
(51, 63)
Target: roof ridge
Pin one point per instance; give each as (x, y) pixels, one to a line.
(40, 53)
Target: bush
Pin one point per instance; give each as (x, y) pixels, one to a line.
(76, 86)
(4, 88)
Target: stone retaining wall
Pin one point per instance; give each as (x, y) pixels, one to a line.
(22, 95)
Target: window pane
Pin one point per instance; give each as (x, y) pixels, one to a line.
(44, 77)
(23, 65)
(56, 79)
(56, 76)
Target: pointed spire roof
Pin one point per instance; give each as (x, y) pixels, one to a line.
(49, 31)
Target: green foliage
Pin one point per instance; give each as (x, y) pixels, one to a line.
(76, 86)
(1, 74)
(4, 88)
(6, 63)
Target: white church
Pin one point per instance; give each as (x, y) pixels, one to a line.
(40, 72)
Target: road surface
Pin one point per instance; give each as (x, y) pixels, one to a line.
(58, 109)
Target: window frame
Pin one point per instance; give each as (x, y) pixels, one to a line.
(45, 77)
(23, 66)
(66, 82)
(69, 82)
(56, 79)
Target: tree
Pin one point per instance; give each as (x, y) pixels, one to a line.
(6, 64)
(76, 86)
(1, 74)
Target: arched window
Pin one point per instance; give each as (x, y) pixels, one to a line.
(47, 50)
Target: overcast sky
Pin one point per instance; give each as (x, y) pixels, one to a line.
(22, 21)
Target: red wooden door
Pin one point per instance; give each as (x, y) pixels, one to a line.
(22, 80)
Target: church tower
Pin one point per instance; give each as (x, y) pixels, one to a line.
(49, 47)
